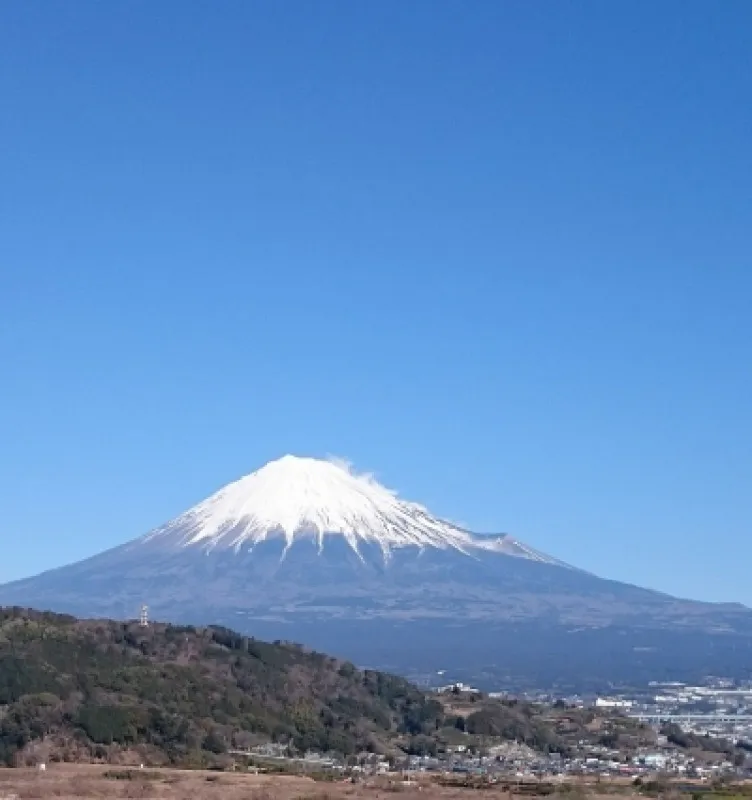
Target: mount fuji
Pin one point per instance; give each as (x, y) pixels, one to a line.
(309, 550)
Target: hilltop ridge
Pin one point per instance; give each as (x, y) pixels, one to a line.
(84, 690)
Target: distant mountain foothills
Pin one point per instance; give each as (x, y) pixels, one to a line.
(306, 550)
(100, 690)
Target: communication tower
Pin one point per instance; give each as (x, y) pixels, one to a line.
(143, 619)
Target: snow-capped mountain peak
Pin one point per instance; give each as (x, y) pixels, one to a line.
(306, 498)
(302, 497)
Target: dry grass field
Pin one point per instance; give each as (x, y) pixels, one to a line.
(66, 782)
(69, 781)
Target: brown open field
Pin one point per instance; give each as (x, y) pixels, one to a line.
(69, 781)
(66, 781)
(93, 781)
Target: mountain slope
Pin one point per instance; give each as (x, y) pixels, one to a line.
(92, 688)
(307, 550)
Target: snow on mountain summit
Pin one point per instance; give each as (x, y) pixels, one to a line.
(296, 497)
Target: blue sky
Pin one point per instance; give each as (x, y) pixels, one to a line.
(496, 252)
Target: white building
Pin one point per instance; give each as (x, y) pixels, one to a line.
(610, 702)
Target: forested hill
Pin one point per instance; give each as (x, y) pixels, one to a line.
(93, 689)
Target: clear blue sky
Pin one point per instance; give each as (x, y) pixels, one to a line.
(497, 252)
